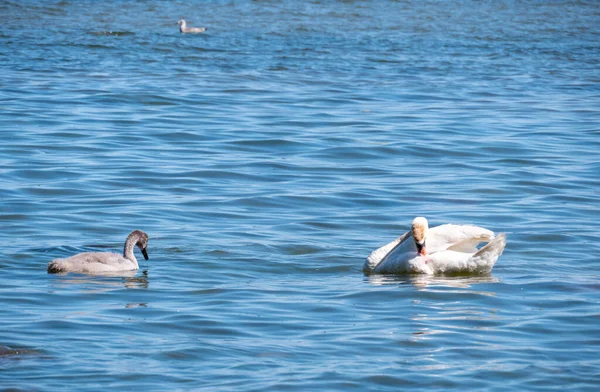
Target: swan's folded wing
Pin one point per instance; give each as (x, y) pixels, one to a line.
(378, 255)
(459, 238)
(450, 262)
(91, 262)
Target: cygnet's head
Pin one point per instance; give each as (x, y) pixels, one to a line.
(419, 233)
(142, 241)
(181, 22)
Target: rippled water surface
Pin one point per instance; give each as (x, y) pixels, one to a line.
(266, 158)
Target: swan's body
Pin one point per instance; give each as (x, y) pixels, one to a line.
(102, 262)
(194, 30)
(445, 249)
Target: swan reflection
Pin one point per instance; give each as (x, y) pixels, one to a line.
(429, 281)
(106, 281)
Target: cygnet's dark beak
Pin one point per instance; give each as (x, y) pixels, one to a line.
(421, 248)
(145, 253)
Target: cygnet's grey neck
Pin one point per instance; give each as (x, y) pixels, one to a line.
(133, 239)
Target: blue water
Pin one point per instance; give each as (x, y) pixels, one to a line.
(266, 158)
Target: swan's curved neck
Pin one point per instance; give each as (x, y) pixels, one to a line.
(128, 249)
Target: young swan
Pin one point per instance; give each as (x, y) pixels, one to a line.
(101, 262)
(184, 29)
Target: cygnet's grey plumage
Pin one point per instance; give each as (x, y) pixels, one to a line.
(101, 262)
(184, 29)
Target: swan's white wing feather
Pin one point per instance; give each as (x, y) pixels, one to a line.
(459, 238)
(378, 255)
(482, 262)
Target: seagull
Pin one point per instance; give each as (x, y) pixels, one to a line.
(194, 30)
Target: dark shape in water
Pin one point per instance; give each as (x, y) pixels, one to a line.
(113, 33)
(9, 352)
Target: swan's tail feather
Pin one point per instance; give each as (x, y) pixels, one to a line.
(56, 267)
(483, 261)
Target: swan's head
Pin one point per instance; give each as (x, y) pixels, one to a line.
(181, 22)
(419, 232)
(142, 241)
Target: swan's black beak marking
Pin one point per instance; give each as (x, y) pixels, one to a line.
(145, 253)
(421, 248)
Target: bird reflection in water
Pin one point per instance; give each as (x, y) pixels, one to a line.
(428, 281)
(137, 282)
(106, 281)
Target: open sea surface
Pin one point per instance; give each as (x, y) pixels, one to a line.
(266, 158)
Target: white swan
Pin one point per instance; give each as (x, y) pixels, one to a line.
(445, 249)
(102, 262)
(184, 29)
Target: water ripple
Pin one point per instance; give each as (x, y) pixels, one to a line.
(266, 159)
